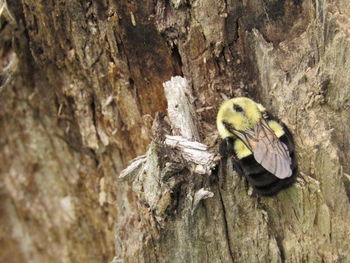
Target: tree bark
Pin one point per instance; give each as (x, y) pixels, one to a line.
(82, 83)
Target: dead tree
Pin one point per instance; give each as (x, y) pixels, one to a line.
(87, 86)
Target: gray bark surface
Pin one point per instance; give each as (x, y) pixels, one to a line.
(86, 86)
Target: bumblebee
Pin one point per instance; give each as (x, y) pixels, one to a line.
(261, 146)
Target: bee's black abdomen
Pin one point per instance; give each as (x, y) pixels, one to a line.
(264, 182)
(255, 173)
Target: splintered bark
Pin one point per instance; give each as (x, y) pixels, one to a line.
(108, 144)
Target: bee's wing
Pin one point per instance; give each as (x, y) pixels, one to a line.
(269, 151)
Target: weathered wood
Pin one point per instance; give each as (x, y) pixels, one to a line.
(80, 85)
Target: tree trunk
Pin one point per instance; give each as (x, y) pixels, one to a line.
(81, 83)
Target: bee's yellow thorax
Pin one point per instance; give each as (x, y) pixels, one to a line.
(277, 128)
(241, 149)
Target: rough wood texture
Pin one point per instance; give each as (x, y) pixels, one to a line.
(80, 85)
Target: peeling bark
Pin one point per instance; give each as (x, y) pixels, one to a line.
(82, 83)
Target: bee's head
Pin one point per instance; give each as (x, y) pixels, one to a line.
(240, 113)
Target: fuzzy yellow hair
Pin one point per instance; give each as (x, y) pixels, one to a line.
(244, 120)
(241, 121)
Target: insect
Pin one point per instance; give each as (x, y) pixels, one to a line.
(261, 147)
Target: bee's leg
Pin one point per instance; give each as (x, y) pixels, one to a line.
(237, 166)
(226, 147)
